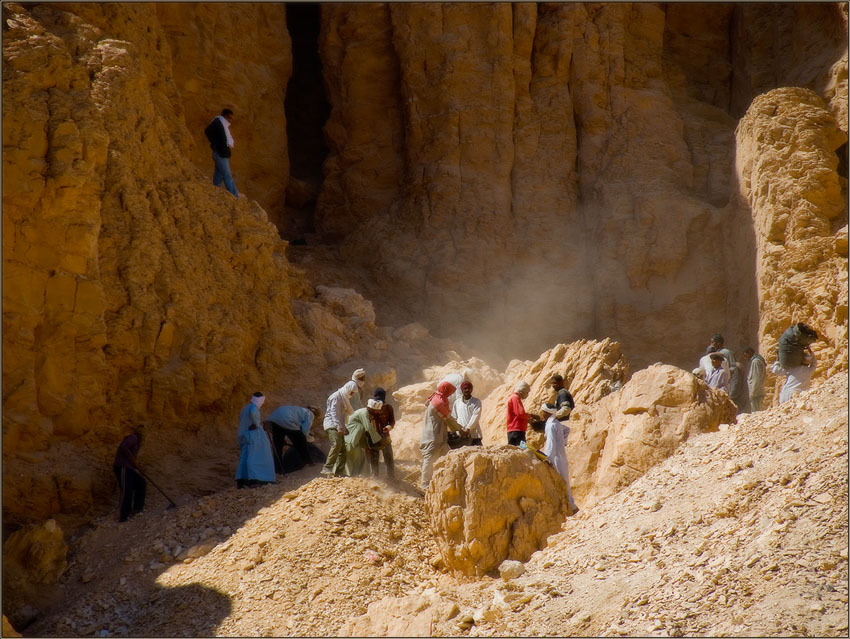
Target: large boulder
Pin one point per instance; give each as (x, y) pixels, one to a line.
(618, 439)
(591, 370)
(488, 505)
(33, 557)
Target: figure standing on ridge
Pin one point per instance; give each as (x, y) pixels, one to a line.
(517, 417)
(256, 463)
(555, 449)
(130, 481)
(221, 141)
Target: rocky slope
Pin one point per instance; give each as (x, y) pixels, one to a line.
(715, 540)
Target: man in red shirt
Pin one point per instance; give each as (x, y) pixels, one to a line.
(517, 417)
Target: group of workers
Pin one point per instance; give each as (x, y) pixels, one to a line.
(744, 380)
(359, 434)
(358, 428)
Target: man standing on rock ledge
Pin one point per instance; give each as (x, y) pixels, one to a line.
(517, 417)
(218, 133)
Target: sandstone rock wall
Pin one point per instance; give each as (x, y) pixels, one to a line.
(576, 106)
(616, 440)
(133, 290)
(788, 176)
(132, 287)
(238, 56)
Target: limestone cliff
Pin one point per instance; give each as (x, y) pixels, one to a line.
(577, 153)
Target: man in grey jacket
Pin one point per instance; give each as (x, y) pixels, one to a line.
(755, 378)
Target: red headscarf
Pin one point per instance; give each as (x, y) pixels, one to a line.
(439, 399)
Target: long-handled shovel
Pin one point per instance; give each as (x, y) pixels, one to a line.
(171, 503)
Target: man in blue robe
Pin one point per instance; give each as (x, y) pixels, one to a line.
(256, 464)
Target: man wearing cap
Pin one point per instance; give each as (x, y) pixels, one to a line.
(256, 463)
(361, 425)
(384, 422)
(467, 411)
(293, 423)
(517, 417)
(719, 376)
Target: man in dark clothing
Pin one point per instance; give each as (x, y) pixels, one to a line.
(130, 481)
(384, 422)
(221, 141)
(563, 400)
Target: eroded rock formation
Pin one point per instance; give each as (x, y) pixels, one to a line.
(787, 163)
(490, 505)
(618, 439)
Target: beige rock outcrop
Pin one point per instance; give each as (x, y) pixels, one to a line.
(591, 370)
(33, 557)
(615, 441)
(488, 505)
(787, 165)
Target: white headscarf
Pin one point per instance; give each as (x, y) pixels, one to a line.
(226, 125)
(375, 404)
(258, 401)
(359, 377)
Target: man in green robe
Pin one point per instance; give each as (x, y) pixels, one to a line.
(361, 424)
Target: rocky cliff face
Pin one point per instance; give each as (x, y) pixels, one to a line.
(515, 176)
(787, 162)
(582, 154)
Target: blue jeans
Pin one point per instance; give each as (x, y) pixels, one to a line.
(222, 173)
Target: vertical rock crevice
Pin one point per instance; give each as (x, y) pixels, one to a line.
(307, 110)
